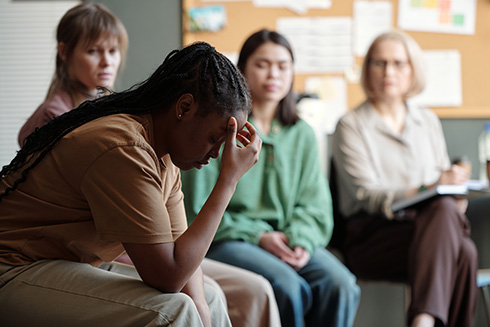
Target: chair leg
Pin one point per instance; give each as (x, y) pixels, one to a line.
(486, 301)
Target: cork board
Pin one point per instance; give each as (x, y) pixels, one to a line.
(243, 18)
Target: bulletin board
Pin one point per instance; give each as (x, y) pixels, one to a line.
(243, 18)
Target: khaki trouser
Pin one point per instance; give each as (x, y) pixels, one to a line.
(250, 298)
(63, 293)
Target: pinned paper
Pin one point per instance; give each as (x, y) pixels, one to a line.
(371, 18)
(320, 44)
(300, 7)
(443, 16)
(443, 79)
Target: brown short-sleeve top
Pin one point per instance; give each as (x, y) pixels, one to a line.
(102, 185)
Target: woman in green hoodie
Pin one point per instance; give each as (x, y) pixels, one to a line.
(279, 220)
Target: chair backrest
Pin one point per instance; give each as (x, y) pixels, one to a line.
(339, 232)
(338, 235)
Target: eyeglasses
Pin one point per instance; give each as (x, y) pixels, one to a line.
(382, 64)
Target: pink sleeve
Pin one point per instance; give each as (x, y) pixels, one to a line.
(53, 107)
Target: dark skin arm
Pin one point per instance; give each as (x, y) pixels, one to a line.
(174, 266)
(169, 266)
(195, 289)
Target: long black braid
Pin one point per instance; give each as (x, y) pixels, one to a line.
(199, 69)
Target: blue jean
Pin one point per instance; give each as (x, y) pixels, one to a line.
(322, 293)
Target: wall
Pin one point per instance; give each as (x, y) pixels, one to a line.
(462, 125)
(27, 56)
(474, 49)
(462, 139)
(154, 29)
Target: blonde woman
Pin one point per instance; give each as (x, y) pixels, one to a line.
(92, 44)
(386, 150)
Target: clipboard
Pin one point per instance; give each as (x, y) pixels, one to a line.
(419, 198)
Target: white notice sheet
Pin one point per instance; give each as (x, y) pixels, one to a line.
(443, 76)
(371, 18)
(320, 44)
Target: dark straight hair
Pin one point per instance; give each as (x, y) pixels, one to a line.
(198, 69)
(287, 112)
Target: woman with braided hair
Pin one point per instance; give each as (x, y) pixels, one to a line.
(89, 185)
(92, 43)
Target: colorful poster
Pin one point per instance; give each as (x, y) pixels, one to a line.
(440, 16)
(210, 18)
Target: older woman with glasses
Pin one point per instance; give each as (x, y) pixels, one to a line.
(386, 150)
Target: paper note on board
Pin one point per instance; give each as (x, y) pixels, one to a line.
(371, 18)
(320, 44)
(226, 0)
(298, 6)
(443, 79)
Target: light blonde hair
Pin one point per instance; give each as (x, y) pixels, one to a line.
(84, 24)
(415, 59)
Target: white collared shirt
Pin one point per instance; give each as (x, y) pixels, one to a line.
(375, 166)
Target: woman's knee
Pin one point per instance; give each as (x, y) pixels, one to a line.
(217, 309)
(212, 289)
(469, 254)
(214, 295)
(290, 285)
(444, 215)
(332, 272)
(176, 309)
(445, 204)
(343, 285)
(259, 288)
(348, 288)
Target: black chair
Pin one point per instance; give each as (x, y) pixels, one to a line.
(337, 242)
(483, 281)
(338, 235)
